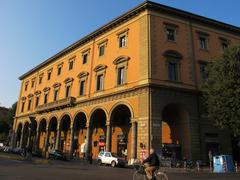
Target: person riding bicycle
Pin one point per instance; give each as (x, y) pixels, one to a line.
(151, 163)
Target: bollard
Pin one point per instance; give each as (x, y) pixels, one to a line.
(236, 166)
(198, 166)
(210, 166)
(185, 165)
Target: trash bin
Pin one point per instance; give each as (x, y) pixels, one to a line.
(223, 163)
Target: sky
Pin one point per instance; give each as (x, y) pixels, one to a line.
(31, 31)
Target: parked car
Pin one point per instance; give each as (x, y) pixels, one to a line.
(111, 159)
(56, 154)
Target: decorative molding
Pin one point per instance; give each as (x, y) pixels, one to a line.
(68, 80)
(123, 32)
(82, 74)
(173, 54)
(46, 89)
(168, 24)
(201, 33)
(37, 93)
(100, 67)
(121, 59)
(30, 95)
(56, 85)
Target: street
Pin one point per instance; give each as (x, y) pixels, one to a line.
(59, 170)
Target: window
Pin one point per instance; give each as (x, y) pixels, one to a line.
(49, 75)
(70, 67)
(121, 64)
(173, 59)
(29, 104)
(203, 42)
(82, 87)
(33, 82)
(202, 68)
(99, 82)
(101, 50)
(26, 86)
(55, 95)
(68, 88)
(59, 70)
(224, 45)
(82, 82)
(40, 80)
(45, 98)
(170, 32)
(85, 58)
(172, 71)
(23, 104)
(122, 41)
(37, 101)
(120, 79)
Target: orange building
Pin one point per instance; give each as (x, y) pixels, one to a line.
(134, 81)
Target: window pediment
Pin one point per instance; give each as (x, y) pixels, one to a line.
(121, 59)
(100, 67)
(46, 89)
(172, 54)
(23, 98)
(30, 95)
(55, 85)
(37, 93)
(68, 80)
(82, 74)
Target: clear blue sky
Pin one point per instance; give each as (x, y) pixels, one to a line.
(33, 30)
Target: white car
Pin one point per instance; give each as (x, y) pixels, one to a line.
(111, 159)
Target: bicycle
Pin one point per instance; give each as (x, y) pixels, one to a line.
(140, 174)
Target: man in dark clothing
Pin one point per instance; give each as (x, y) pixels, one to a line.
(151, 163)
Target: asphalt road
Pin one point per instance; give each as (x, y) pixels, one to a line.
(20, 170)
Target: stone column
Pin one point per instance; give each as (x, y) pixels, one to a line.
(46, 140)
(13, 139)
(29, 136)
(108, 137)
(58, 138)
(71, 142)
(21, 139)
(36, 143)
(134, 141)
(88, 143)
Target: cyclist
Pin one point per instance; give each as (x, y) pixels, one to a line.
(151, 163)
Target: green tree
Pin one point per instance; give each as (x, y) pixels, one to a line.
(6, 123)
(221, 90)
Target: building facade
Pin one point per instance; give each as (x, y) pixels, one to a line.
(133, 81)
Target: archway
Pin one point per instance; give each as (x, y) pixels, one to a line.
(121, 131)
(80, 130)
(65, 135)
(19, 134)
(97, 132)
(52, 128)
(42, 134)
(175, 132)
(25, 134)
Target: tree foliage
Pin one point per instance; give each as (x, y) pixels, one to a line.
(221, 90)
(6, 122)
